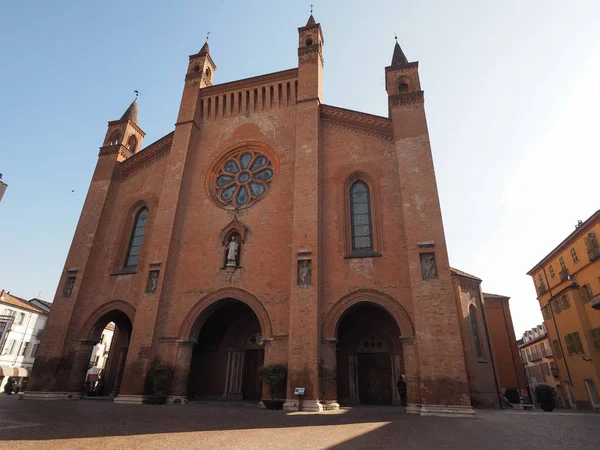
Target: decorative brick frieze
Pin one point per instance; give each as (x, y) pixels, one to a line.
(412, 98)
(114, 149)
(357, 122)
(147, 156)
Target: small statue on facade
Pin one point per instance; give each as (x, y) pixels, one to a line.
(232, 252)
(428, 266)
(304, 272)
(69, 286)
(152, 281)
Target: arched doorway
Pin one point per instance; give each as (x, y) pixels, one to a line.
(108, 380)
(229, 350)
(369, 356)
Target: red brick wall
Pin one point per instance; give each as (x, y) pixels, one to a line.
(504, 343)
(303, 211)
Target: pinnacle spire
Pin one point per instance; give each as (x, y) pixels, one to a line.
(132, 112)
(311, 21)
(204, 50)
(398, 58)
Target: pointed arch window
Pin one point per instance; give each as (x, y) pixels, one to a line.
(137, 236)
(475, 330)
(360, 211)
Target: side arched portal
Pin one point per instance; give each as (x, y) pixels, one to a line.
(115, 318)
(368, 346)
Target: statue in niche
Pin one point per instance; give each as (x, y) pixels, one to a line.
(152, 281)
(304, 272)
(428, 266)
(69, 287)
(233, 248)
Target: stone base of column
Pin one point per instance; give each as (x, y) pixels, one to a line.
(330, 405)
(47, 395)
(130, 399)
(441, 410)
(307, 405)
(177, 399)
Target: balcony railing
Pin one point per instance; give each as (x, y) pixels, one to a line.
(564, 275)
(594, 253)
(595, 301)
(542, 289)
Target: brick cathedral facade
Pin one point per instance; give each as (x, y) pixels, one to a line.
(268, 227)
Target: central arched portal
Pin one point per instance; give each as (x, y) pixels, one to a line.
(369, 356)
(229, 350)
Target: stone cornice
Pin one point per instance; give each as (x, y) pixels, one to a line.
(410, 65)
(413, 98)
(206, 55)
(197, 76)
(377, 126)
(147, 156)
(310, 50)
(114, 149)
(133, 124)
(246, 83)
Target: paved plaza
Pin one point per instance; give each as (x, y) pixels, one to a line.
(102, 424)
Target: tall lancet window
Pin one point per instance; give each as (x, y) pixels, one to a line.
(360, 211)
(476, 339)
(137, 236)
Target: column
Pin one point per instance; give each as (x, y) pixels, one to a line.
(120, 369)
(411, 370)
(329, 374)
(181, 373)
(81, 363)
(234, 376)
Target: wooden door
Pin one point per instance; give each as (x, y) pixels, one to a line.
(374, 378)
(252, 387)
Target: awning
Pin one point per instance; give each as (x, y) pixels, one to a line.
(9, 371)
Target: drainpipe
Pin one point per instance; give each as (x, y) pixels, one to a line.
(494, 368)
(556, 328)
(22, 339)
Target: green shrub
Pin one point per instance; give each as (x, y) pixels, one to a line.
(159, 375)
(512, 395)
(273, 375)
(545, 396)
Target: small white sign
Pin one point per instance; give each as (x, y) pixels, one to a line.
(299, 391)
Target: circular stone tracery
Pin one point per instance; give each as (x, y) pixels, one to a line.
(242, 176)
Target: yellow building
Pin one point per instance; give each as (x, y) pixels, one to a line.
(567, 281)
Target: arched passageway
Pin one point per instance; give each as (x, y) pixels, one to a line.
(229, 350)
(369, 356)
(107, 381)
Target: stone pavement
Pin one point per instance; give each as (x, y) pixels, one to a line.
(98, 424)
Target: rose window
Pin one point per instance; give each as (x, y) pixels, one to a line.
(242, 178)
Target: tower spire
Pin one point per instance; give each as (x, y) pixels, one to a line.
(398, 58)
(132, 112)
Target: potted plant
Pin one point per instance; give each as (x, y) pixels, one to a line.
(159, 376)
(274, 375)
(514, 397)
(546, 396)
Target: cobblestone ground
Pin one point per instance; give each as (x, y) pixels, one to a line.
(102, 424)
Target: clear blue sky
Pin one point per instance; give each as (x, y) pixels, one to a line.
(511, 91)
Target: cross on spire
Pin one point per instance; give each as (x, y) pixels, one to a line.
(396, 37)
(137, 93)
(207, 35)
(311, 7)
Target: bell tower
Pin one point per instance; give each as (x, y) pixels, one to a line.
(310, 61)
(125, 133)
(425, 247)
(202, 67)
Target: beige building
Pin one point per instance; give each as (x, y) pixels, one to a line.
(567, 281)
(540, 366)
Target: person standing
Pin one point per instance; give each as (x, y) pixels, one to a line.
(401, 385)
